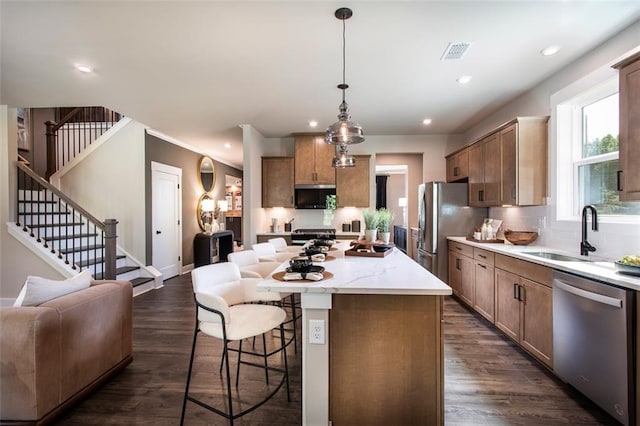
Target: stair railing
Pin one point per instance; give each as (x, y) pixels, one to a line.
(61, 225)
(80, 127)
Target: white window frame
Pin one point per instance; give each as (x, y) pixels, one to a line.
(567, 114)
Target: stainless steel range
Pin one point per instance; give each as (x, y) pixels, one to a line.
(300, 236)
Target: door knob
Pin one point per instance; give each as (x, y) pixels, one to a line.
(158, 232)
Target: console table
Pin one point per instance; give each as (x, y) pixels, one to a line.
(205, 246)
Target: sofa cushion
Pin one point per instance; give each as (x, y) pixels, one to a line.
(37, 290)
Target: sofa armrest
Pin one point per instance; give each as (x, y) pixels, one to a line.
(29, 373)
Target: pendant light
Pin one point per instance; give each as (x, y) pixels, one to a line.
(344, 131)
(342, 157)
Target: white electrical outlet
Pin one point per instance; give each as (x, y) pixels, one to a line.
(316, 332)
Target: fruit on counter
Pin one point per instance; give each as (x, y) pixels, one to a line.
(631, 260)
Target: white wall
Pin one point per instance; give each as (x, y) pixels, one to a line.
(254, 147)
(613, 240)
(16, 261)
(116, 167)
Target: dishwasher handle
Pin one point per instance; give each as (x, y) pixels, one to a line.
(611, 301)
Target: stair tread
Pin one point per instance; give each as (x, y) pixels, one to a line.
(87, 262)
(119, 271)
(71, 236)
(77, 249)
(140, 280)
(54, 225)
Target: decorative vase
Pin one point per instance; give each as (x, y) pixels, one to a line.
(384, 236)
(328, 217)
(370, 234)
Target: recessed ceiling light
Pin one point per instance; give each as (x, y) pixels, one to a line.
(313, 123)
(84, 68)
(551, 50)
(464, 79)
(227, 145)
(426, 121)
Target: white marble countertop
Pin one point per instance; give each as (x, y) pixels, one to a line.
(338, 233)
(602, 271)
(394, 274)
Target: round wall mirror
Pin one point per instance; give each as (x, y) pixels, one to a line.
(207, 174)
(205, 213)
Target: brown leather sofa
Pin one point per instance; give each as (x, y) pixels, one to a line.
(54, 354)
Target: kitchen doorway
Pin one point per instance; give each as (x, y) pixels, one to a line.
(233, 214)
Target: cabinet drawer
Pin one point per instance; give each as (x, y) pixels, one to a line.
(461, 248)
(529, 270)
(485, 256)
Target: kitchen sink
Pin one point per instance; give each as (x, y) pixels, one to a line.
(554, 256)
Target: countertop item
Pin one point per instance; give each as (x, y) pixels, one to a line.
(602, 271)
(394, 274)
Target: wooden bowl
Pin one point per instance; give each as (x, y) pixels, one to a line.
(520, 238)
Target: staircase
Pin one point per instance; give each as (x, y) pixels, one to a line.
(61, 231)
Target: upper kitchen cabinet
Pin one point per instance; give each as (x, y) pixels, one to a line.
(313, 157)
(509, 166)
(523, 146)
(458, 166)
(277, 182)
(353, 183)
(629, 140)
(484, 172)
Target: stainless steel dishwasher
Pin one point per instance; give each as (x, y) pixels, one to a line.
(593, 342)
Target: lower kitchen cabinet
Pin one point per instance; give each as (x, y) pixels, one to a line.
(484, 287)
(461, 272)
(523, 307)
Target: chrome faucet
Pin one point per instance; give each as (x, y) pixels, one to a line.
(585, 246)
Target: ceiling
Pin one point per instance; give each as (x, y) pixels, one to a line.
(196, 70)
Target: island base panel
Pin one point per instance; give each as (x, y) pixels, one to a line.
(386, 360)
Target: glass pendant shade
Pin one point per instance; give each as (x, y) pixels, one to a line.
(342, 158)
(344, 131)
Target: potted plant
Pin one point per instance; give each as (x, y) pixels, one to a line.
(385, 217)
(330, 207)
(370, 225)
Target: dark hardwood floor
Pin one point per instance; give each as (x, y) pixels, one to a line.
(488, 380)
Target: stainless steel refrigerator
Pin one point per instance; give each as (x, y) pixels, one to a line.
(443, 211)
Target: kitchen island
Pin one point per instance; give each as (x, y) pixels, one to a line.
(381, 360)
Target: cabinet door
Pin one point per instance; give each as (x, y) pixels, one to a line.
(305, 158)
(467, 279)
(537, 320)
(455, 273)
(484, 290)
(629, 151)
(507, 305)
(509, 164)
(277, 182)
(458, 166)
(476, 174)
(353, 184)
(492, 175)
(325, 173)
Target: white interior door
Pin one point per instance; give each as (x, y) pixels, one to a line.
(166, 219)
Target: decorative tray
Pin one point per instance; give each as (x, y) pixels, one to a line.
(279, 276)
(496, 241)
(367, 252)
(623, 268)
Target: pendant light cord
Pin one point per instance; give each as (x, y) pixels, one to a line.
(344, 57)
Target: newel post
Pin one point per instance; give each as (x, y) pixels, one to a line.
(51, 149)
(110, 237)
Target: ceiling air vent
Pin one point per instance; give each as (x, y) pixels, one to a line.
(455, 51)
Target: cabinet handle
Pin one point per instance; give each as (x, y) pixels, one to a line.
(482, 256)
(521, 295)
(455, 171)
(619, 180)
(481, 265)
(515, 290)
(481, 195)
(458, 248)
(458, 264)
